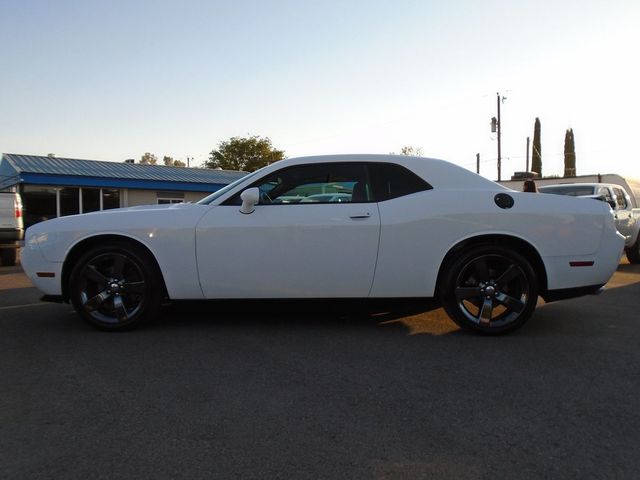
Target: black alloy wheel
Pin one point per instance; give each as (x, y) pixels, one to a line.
(489, 289)
(115, 286)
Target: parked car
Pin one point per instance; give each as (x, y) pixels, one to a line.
(414, 227)
(626, 217)
(11, 227)
(327, 198)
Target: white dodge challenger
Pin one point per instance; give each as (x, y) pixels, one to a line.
(379, 226)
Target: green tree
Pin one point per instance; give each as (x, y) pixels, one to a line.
(244, 153)
(411, 151)
(149, 159)
(536, 155)
(569, 154)
(170, 162)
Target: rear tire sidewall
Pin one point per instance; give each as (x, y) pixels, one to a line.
(453, 269)
(153, 293)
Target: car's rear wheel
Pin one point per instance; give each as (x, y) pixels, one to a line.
(489, 289)
(115, 286)
(8, 256)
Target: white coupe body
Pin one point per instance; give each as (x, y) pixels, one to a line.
(382, 245)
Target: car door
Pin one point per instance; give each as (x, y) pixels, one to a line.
(287, 248)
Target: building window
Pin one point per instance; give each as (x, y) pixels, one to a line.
(110, 198)
(45, 202)
(69, 201)
(40, 203)
(165, 198)
(90, 200)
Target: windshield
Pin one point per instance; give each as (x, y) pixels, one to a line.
(218, 193)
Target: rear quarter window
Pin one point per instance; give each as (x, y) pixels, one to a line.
(390, 181)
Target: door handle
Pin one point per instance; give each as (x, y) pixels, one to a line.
(360, 215)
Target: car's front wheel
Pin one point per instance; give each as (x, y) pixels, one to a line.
(115, 286)
(489, 289)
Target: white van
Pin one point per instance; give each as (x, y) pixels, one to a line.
(11, 227)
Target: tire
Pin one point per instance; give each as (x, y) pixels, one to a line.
(633, 252)
(116, 286)
(8, 256)
(489, 289)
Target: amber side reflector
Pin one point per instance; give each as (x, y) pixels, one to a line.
(45, 274)
(581, 264)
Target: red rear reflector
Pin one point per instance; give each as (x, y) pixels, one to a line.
(18, 209)
(46, 274)
(581, 264)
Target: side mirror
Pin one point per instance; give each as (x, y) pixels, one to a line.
(612, 204)
(250, 197)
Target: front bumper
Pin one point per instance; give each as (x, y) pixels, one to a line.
(45, 275)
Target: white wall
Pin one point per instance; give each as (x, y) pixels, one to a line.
(150, 197)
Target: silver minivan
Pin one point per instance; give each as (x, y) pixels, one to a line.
(11, 227)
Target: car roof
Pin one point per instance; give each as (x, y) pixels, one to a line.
(355, 157)
(437, 172)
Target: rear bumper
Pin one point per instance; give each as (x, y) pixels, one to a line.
(566, 293)
(573, 272)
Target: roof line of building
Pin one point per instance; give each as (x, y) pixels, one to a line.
(15, 168)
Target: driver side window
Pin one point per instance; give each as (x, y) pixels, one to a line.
(318, 183)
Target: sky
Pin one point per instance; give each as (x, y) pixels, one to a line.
(113, 80)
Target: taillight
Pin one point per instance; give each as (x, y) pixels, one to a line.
(18, 208)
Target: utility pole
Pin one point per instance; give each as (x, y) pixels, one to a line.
(496, 127)
(478, 163)
(527, 169)
(499, 146)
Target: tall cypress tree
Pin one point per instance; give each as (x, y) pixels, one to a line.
(569, 154)
(536, 156)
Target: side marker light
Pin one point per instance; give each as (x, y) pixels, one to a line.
(46, 274)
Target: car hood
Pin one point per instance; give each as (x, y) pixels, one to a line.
(120, 219)
(172, 206)
(148, 224)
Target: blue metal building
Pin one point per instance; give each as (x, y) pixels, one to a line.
(52, 186)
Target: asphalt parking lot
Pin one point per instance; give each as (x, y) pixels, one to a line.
(300, 390)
